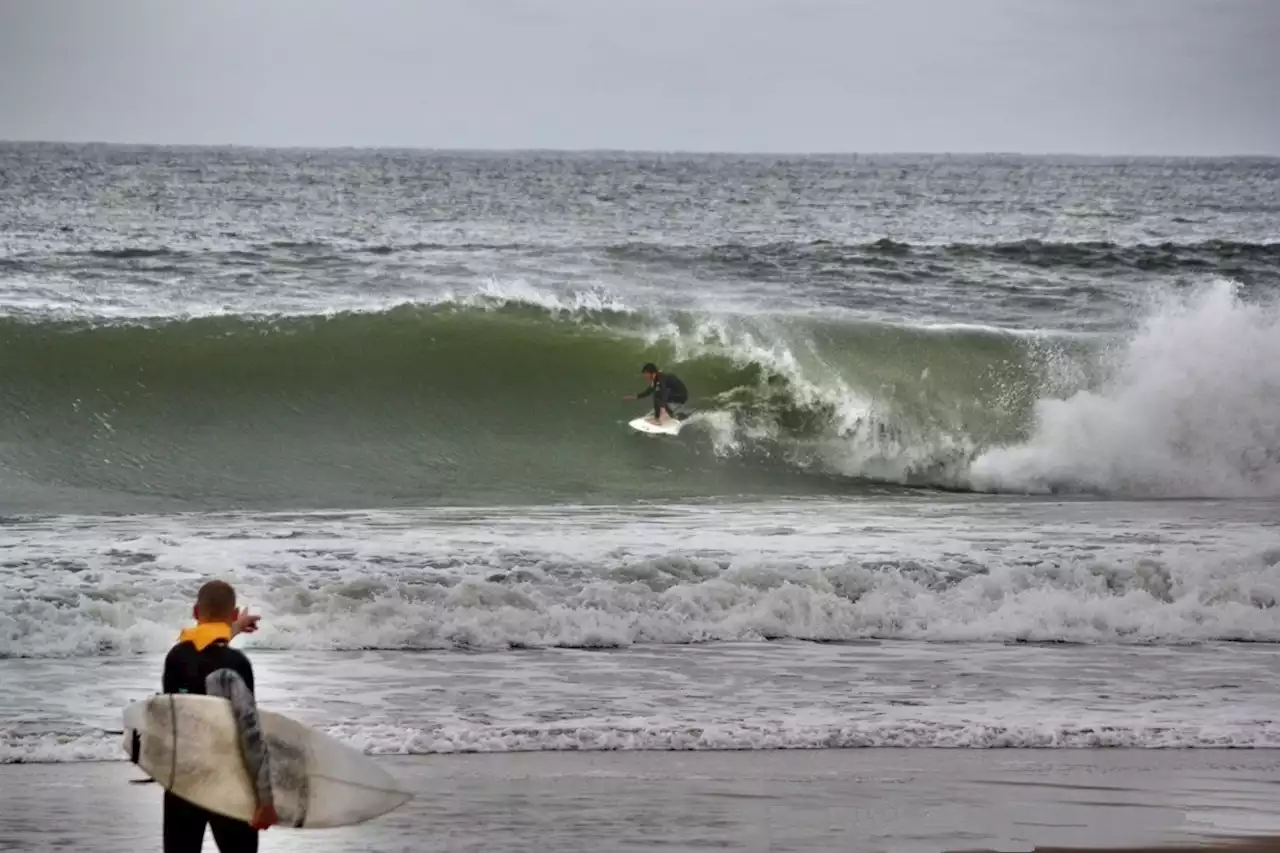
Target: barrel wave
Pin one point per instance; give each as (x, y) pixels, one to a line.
(510, 402)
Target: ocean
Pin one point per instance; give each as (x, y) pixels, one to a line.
(984, 452)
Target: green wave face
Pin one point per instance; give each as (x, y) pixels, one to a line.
(499, 404)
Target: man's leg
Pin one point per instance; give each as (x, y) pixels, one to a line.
(184, 825)
(233, 836)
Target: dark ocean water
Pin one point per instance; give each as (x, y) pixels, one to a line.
(985, 451)
(223, 328)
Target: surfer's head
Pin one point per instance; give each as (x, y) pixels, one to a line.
(649, 371)
(216, 602)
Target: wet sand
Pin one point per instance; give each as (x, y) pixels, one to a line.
(824, 800)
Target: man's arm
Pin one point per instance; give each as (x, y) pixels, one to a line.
(228, 684)
(246, 623)
(645, 393)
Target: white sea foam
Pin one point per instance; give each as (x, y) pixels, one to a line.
(494, 292)
(709, 697)
(985, 734)
(603, 578)
(146, 303)
(48, 748)
(770, 735)
(1191, 408)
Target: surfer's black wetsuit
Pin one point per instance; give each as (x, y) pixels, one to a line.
(667, 389)
(216, 669)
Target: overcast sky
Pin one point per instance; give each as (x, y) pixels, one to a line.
(1080, 76)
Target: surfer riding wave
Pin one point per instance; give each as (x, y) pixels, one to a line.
(667, 390)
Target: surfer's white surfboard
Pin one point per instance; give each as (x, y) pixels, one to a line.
(189, 744)
(668, 427)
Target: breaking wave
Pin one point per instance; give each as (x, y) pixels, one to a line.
(500, 399)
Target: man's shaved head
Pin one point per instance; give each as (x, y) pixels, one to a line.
(216, 601)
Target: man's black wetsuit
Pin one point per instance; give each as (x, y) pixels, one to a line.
(219, 669)
(667, 389)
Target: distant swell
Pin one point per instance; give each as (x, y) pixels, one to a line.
(1245, 261)
(129, 254)
(1205, 255)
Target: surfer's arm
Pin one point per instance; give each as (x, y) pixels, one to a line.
(228, 684)
(645, 393)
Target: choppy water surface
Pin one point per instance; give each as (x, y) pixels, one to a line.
(985, 452)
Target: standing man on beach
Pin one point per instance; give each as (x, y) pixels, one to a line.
(203, 662)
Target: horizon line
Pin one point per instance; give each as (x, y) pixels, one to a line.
(669, 152)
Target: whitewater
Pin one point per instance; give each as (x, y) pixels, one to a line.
(976, 459)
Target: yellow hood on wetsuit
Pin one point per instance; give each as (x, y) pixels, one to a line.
(205, 633)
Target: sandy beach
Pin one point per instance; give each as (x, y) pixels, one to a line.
(896, 800)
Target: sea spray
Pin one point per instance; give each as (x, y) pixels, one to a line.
(1190, 407)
